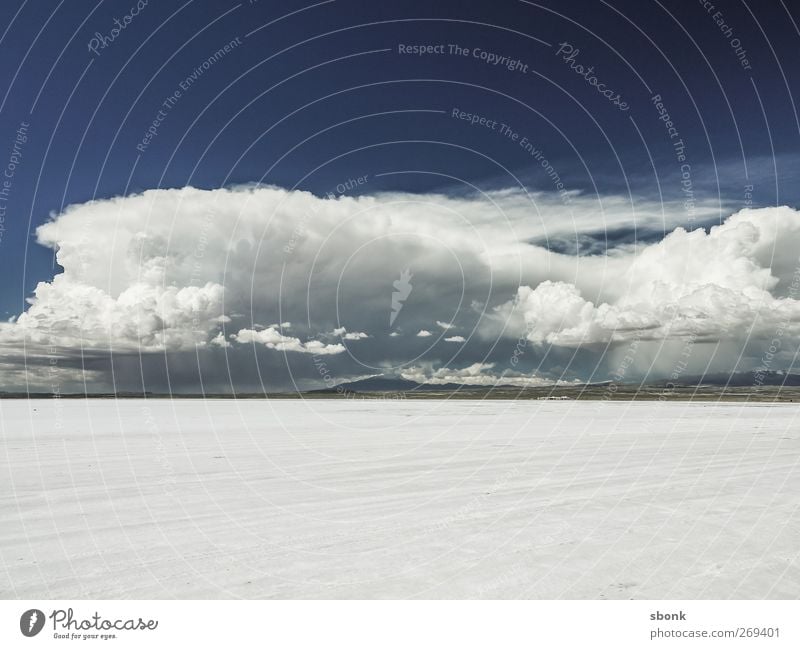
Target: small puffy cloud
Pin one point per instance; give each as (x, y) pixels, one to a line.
(314, 347)
(423, 333)
(274, 339)
(349, 335)
(219, 341)
(455, 339)
(445, 325)
(394, 334)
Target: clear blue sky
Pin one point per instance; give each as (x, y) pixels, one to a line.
(88, 111)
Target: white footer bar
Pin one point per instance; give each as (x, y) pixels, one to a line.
(400, 624)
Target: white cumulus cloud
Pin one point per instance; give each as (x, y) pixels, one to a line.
(144, 317)
(349, 335)
(738, 281)
(220, 341)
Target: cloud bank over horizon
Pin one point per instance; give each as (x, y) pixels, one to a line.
(182, 278)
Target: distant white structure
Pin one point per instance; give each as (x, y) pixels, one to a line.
(553, 398)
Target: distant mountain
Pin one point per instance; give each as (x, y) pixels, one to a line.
(739, 379)
(388, 384)
(384, 384)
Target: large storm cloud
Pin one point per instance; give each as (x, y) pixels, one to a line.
(287, 288)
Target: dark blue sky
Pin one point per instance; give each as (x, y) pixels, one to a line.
(312, 98)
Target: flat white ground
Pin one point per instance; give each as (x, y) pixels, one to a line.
(366, 499)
